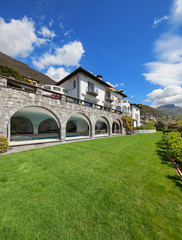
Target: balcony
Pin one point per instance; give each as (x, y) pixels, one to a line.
(92, 91)
(109, 98)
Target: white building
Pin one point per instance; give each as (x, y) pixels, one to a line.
(135, 114)
(84, 85)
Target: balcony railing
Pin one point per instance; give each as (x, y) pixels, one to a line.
(29, 88)
(92, 91)
(109, 98)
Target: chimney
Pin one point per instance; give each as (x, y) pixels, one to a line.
(99, 76)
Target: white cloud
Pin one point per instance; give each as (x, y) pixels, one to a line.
(45, 32)
(17, 38)
(132, 96)
(159, 20)
(168, 48)
(56, 73)
(168, 95)
(176, 12)
(69, 55)
(164, 74)
(166, 70)
(68, 33)
(61, 25)
(115, 85)
(51, 22)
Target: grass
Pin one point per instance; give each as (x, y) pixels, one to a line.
(114, 188)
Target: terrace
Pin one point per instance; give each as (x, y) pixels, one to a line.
(35, 113)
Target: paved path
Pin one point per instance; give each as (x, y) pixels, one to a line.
(14, 149)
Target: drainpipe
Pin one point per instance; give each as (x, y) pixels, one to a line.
(78, 87)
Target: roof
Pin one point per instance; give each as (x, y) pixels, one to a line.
(91, 75)
(137, 105)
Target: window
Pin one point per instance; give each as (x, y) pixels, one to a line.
(118, 108)
(119, 100)
(90, 87)
(74, 84)
(47, 87)
(124, 109)
(65, 90)
(108, 94)
(89, 100)
(56, 88)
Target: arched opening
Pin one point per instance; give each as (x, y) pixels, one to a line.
(118, 108)
(116, 127)
(102, 127)
(33, 123)
(124, 109)
(77, 125)
(21, 125)
(48, 126)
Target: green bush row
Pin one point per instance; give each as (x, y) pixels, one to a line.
(3, 144)
(147, 127)
(173, 143)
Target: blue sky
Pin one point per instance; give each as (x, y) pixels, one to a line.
(136, 45)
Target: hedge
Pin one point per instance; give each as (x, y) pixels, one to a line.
(173, 143)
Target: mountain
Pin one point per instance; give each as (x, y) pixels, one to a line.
(25, 70)
(170, 109)
(150, 111)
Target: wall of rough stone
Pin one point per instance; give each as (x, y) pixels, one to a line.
(144, 131)
(13, 100)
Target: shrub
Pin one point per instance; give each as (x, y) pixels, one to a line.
(128, 122)
(139, 128)
(173, 143)
(149, 125)
(3, 144)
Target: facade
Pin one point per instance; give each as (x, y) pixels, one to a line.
(81, 105)
(86, 86)
(135, 114)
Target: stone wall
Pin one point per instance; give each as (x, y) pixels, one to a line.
(144, 131)
(13, 100)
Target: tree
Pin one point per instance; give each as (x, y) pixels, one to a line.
(160, 125)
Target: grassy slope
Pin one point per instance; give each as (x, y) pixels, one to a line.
(24, 69)
(114, 188)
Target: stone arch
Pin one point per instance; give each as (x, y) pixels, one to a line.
(78, 124)
(21, 106)
(116, 126)
(36, 114)
(102, 126)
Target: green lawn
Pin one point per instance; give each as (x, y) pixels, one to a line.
(112, 188)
